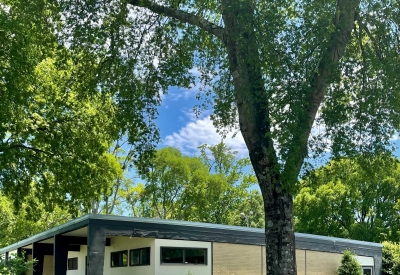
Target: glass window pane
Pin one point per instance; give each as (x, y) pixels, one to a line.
(125, 258)
(145, 256)
(135, 257)
(114, 259)
(119, 258)
(195, 256)
(73, 264)
(171, 255)
(367, 270)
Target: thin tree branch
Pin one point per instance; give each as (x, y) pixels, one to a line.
(344, 24)
(21, 146)
(180, 15)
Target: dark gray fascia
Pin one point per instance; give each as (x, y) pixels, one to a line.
(61, 229)
(194, 231)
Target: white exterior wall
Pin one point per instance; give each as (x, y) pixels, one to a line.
(182, 269)
(125, 243)
(365, 261)
(118, 244)
(81, 261)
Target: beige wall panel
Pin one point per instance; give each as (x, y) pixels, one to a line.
(29, 258)
(236, 259)
(300, 261)
(48, 265)
(322, 263)
(264, 261)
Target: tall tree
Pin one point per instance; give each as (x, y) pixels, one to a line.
(211, 189)
(57, 139)
(270, 66)
(351, 198)
(51, 134)
(31, 218)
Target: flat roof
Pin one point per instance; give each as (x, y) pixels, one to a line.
(196, 231)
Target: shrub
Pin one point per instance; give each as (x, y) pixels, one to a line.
(396, 269)
(349, 264)
(16, 265)
(390, 258)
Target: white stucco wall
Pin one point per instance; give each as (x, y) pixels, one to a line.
(182, 269)
(118, 244)
(365, 261)
(81, 261)
(125, 243)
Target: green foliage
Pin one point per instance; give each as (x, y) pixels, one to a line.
(390, 258)
(56, 122)
(15, 265)
(210, 188)
(396, 268)
(271, 68)
(351, 198)
(30, 219)
(349, 264)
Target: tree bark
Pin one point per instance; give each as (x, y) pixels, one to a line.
(254, 121)
(252, 101)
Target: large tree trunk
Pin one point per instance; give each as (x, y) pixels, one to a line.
(279, 232)
(254, 120)
(252, 101)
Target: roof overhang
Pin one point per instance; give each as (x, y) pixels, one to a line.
(194, 231)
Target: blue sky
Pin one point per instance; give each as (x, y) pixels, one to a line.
(179, 127)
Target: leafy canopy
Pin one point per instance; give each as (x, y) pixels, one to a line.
(351, 198)
(212, 188)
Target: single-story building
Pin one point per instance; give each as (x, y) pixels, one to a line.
(103, 244)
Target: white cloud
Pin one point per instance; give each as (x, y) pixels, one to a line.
(202, 131)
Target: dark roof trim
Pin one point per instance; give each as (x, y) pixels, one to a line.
(64, 228)
(170, 229)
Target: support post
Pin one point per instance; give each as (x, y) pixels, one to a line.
(38, 253)
(96, 249)
(60, 256)
(6, 258)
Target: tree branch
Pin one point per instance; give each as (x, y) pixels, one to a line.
(344, 24)
(180, 15)
(21, 146)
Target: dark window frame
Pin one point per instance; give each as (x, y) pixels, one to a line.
(369, 267)
(184, 255)
(147, 249)
(115, 252)
(72, 265)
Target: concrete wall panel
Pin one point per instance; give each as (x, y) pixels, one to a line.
(237, 259)
(322, 263)
(48, 265)
(301, 261)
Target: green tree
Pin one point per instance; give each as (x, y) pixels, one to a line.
(53, 136)
(15, 265)
(212, 188)
(32, 217)
(271, 67)
(349, 264)
(227, 187)
(351, 198)
(252, 206)
(390, 258)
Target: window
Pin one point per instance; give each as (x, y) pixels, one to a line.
(180, 255)
(73, 264)
(119, 258)
(139, 256)
(367, 270)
